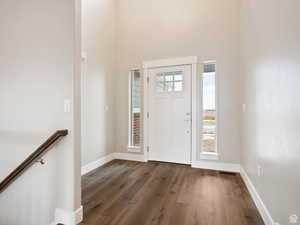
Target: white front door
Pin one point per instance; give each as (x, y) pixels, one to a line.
(170, 114)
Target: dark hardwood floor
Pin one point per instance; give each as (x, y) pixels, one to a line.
(134, 193)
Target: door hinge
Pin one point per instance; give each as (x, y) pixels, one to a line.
(148, 115)
(148, 80)
(148, 148)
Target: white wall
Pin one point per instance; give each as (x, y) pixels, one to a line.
(159, 29)
(98, 44)
(36, 74)
(271, 125)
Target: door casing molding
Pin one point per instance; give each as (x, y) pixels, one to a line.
(147, 65)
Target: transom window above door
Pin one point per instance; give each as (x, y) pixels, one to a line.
(169, 81)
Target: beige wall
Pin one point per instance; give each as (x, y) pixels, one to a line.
(159, 29)
(36, 75)
(98, 94)
(271, 125)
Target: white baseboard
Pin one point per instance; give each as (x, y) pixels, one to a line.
(130, 157)
(141, 158)
(264, 212)
(68, 218)
(100, 162)
(96, 164)
(220, 166)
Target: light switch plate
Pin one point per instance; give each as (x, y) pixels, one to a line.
(67, 106)
(244, 108)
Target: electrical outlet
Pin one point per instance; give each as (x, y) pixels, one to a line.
(293, 219)
(259, 171)
(83, 56)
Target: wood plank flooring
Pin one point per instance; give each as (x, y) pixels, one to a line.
(154, 193)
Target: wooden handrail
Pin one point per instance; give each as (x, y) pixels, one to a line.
(33, 158)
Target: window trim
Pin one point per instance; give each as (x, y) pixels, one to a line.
(209, 155)
(203, 154)
(130, 147)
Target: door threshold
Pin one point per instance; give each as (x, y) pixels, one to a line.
(165, 162)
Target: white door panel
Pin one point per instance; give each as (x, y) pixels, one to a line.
(170, 114)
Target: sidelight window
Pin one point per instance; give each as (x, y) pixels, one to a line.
(209, 110)
(134, 109)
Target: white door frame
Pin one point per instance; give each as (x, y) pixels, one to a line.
(147, 65)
